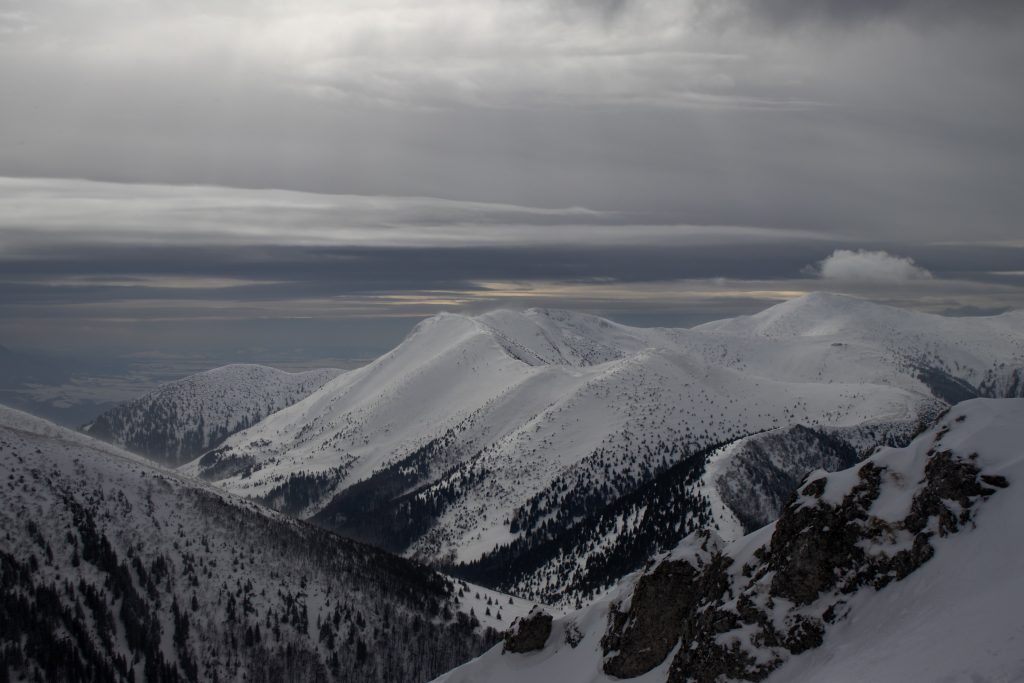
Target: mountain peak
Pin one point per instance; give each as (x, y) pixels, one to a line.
(559, 337)
(812, 314)
(180, 420)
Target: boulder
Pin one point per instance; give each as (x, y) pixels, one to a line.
(529, 633)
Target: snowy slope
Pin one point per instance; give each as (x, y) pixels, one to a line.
(181, 420)
(479, 434)
(951, 355)
(121, 567)
(905, 567)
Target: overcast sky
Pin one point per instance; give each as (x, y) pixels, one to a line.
(312, 176)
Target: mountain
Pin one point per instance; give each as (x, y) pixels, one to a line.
(903, 567)
(181, 420)
(113, 569)
(955, 357)
(524, 449)
(730, 489)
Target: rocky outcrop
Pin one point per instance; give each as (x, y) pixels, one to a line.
(948, 479)
(641, 638)
(812, 544)
(744, 624)
(529, 633)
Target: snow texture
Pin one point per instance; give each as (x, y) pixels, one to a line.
(124, 568)
(181, 420)
(959, 616)
(475, 431)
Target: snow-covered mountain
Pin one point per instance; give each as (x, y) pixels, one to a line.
(114, 569)
(524, 447)
(731, 489)
(955, 357)
(181, 420)
(904, 567)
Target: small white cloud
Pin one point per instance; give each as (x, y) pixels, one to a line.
(869, 266)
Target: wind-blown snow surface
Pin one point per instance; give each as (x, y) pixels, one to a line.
(959, 616)
(110, 565)
(183, 419)
(478, 433)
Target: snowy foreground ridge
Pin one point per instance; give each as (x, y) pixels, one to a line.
(906, 567)
(113, 569)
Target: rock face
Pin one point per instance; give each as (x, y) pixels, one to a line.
(641, 638)
(833, 539)
(812, 543)
(529, 633)
(663, 603)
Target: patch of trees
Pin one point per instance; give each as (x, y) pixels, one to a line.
(218, 591)
(547, 564)
(303, 489)
(393, 508)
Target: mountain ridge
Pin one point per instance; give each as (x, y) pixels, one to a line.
(444, 446)
(898, 568)
(132, 570)
(436, 447)
(180, 420)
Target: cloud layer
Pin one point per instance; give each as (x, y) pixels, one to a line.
(665, 161)
(898, 125)
(115, 268)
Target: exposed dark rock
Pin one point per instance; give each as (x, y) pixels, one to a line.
(816, 488)
(573, 634)
(529, 633)
(946, 478)
(706, 659)
(720, 619)
(811, 543)
(804, 633)
(900, 565)
(641, 638)
(996, 480)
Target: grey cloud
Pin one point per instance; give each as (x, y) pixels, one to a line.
(40, 211)
(282, 274)
(875, 134)
(847, 13)
(453, 146)
(970, 311)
